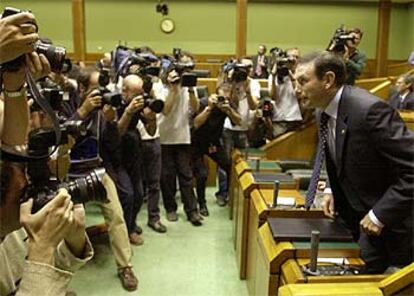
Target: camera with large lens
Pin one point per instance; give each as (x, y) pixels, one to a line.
(42, 186)
(339, 39)
(267, 108)
(154, 104)
(55, 55)
(239, 71)
(284, 64)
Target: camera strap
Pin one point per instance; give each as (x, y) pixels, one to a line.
(45, 106)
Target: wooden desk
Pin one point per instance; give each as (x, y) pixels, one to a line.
(408, 117)
(259, 211)
(399, 283)
(241, 209)
(271, 256)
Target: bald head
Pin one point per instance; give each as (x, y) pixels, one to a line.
(132, 85)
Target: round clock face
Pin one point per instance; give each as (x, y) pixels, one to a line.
(167, 25)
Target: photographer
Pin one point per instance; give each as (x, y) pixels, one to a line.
(286, 114)
(261, 128)
(128, 175)
(101, 141)
(355, 60)
(246, 93)
(40, 258)
(206, 134)
(175, 141)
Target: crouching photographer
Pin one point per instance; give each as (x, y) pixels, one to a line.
(206, 134)
(39, 251)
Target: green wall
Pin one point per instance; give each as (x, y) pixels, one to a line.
(308, 26)
(410, 31)
(201, 26)
(54, 18)
(209, 26)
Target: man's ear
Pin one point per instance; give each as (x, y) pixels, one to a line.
(329, 79)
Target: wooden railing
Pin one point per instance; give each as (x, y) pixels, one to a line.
(299, 144)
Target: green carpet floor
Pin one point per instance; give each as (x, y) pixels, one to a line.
(187, 260)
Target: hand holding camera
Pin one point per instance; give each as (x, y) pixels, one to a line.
(38, 65)
(18, 36)
(93, 100)
(135, 105)
(109, 113)
(48, 227)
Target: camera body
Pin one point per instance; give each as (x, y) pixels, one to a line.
(339, 39)
(240, 71)
(51, 92)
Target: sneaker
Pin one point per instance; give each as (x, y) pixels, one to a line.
(172, 216)
(195, 218)
(203, 210)
(158, 226)
(128, 278)
(135, 239)
(221, 201)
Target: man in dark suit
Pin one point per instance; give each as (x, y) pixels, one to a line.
(370, 162)
(260, 63)
(403, 97)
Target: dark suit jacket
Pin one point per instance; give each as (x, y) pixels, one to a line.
(374, 161)
(408, 103)
(265, 73)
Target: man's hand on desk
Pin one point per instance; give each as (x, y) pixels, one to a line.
(328, 206)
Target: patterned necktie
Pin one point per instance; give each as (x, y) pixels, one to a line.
(258, 67)
(320, 155)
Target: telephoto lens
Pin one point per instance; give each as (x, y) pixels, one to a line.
(81, 190)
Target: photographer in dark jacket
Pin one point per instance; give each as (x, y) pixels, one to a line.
(355, 60)
(208, 127)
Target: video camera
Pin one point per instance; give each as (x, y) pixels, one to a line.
(43, 187)
(124, 58)
(339, 39)
(283, 62)
(240, 71)
(55, 55)
(185, 76)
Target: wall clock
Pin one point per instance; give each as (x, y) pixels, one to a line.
(167, 25)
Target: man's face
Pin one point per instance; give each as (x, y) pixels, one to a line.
(129, 91)
(354, 43)
(309, 87)
(401, 85)
(261, 50)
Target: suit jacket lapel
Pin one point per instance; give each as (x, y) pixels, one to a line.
(341, 131)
